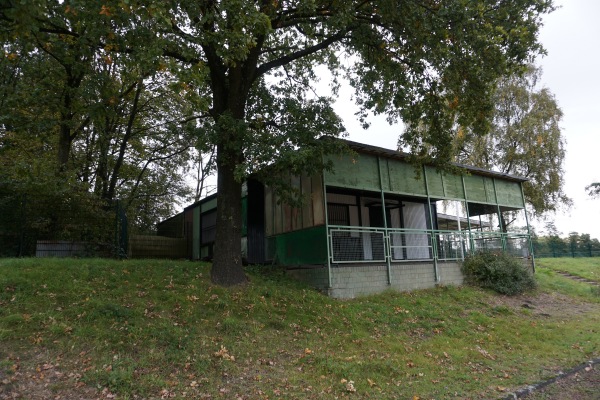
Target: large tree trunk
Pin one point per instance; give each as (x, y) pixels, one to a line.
(64, 146)
(227, 267)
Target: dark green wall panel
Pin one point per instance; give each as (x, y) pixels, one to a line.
(509, 193)
(360, 171)
(303, 247)
(453, 186)
(434, 182)
(475, 188)
(490, 191)
(402, 179)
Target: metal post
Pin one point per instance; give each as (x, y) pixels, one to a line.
(22, 223)
(433, 241)
(386, 237)
(471, 243)
(500, 225)
(528, 230)
(327, 234)
(462, 250)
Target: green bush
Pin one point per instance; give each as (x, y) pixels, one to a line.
(497, 271)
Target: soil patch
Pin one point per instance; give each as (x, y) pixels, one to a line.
(583, 385)
(545, 304)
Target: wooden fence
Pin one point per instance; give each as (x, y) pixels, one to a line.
(146, 246)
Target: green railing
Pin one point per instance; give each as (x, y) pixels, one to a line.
(349, 244)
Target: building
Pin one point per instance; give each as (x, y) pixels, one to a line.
(374, 222)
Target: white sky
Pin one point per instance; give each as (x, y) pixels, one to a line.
(571, 71)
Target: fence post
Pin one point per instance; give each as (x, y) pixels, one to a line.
(22, 226)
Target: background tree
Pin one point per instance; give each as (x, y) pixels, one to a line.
(78, 119)
(525, 140)
(254, 64)
(593, 190)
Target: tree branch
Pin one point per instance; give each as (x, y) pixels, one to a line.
(266, 67)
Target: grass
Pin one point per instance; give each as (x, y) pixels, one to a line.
(150, 328)
(588, 268)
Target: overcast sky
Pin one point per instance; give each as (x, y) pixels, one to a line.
(571, 71)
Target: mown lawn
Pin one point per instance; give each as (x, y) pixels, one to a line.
(160, 329)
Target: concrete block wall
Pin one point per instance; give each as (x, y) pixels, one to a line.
(450, 273)
(352, 280)
(315, 276)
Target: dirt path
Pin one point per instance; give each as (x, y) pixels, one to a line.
(583, 385)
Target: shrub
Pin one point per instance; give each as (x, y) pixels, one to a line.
(497, 271)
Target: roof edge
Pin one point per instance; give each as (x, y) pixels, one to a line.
(399, 155)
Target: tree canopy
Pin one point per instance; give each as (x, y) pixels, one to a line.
(77, 119)
(593, 189)
(251, 67)
(525, 140)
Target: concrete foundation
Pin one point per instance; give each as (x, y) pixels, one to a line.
(352, 280)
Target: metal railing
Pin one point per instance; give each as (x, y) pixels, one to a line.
(358, 244)
(363, 244)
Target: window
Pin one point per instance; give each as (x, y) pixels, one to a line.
(208, 222)
(338, 214)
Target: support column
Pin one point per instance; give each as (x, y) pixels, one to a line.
(433, 232)
(386, 237)
(500, 225)
(528, 230)
(471, 243)
(327, 233)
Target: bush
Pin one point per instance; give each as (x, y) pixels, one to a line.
(497, 271)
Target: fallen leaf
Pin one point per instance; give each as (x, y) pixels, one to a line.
(350, 387)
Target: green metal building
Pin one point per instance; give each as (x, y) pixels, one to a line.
(372, 224)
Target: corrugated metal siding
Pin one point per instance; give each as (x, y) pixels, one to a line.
(208, 205)
(196, 234)
(318, 203)
(60, 248)
(188, 229)
(268, 210)
(172, 227)
(307, 205)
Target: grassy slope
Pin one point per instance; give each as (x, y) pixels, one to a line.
(159, 327)
(588, 268)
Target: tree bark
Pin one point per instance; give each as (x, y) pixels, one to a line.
(227, 269)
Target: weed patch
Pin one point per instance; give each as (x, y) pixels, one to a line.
(497, 271)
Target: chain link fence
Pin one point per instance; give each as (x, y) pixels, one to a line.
(44, 226)
(558, 247)
(559, 252)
